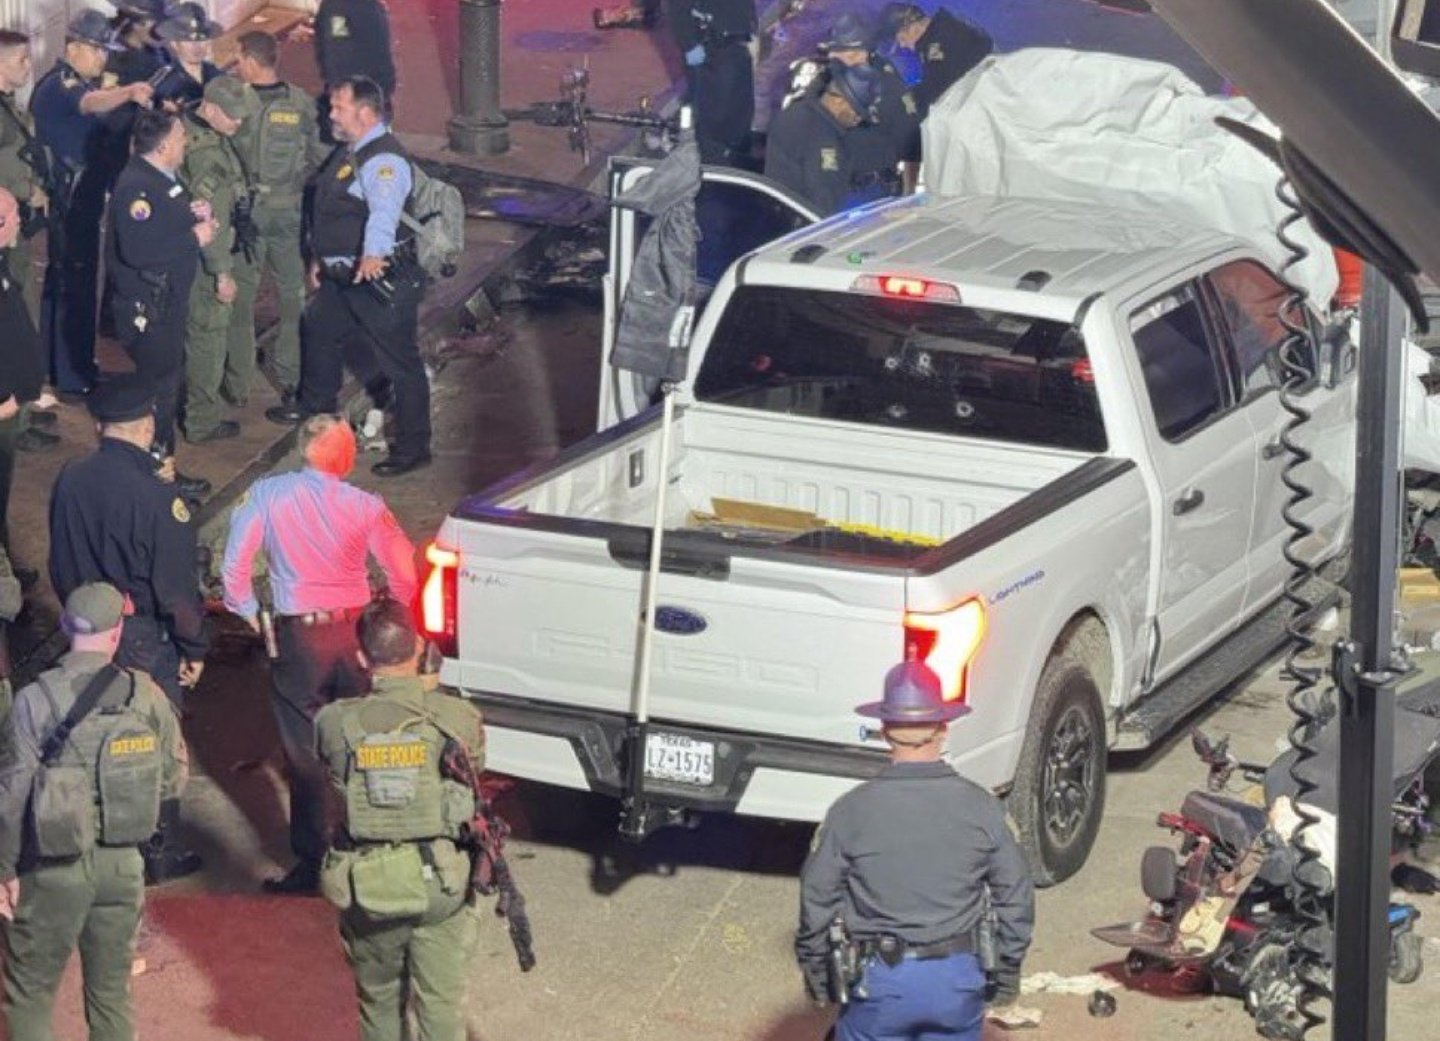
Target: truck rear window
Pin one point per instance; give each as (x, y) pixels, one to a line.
(915, 365)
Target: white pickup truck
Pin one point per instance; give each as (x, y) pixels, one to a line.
(1042, 445)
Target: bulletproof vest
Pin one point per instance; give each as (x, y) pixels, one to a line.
(275, 151)
(103, 788)
(394, 790)
(338, 217)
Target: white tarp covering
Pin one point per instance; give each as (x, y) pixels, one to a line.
(1115, 131)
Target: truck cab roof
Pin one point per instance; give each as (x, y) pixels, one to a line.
(1064, 251)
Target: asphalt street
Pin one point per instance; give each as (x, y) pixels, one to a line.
(688, 936)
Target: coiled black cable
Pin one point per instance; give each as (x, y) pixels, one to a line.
(1299, 354)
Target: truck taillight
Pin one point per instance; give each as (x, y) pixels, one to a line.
(438, 594)
(947, 642)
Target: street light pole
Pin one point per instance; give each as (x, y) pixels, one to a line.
(480, 128)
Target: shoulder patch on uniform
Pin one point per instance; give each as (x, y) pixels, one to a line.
(180, 511)
(386, 172)
(345, 170)
(140, 209)
(829, 158)
(289, 119)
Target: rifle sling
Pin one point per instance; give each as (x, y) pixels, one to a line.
(85, 704)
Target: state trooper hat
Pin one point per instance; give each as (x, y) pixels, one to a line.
(93, 28)
(149, 10)
(857, 84)
(122, 399)
(913, 695)
(188, 23)
(232, 97)
(95, 607)
(849, 32)
(895, 16)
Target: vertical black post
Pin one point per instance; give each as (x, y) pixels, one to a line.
(480, 128)
(1367, 717)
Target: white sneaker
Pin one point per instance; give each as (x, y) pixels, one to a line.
(373, 425)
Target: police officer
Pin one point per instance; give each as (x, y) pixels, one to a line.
(369, 279)
(22, 158)
(187, 34)
(812, 145)
(68, 105)
(215, 173)
(400, 882)
(134, 25)
(316, 531)
(714, 38)
(892, 141)
(281, 147)
(21, 361)
(352, 38)
(156, 231)
(72, 849)
(908, 861)
(948, 47)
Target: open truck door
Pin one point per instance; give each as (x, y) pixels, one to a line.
(737, 212)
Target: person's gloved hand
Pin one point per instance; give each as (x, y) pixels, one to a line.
(695, 55)
(1004, 986)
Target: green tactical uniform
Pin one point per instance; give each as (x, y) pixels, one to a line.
(400, 882)
(281, 148)
(12, 599)
(18, 177)
(213, 172)
(81, 877)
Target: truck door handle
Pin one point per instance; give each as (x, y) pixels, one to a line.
(1272, 450)
(1187, 502)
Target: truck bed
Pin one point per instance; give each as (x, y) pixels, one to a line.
(896, 485)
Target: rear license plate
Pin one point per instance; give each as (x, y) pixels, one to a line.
(671, 757)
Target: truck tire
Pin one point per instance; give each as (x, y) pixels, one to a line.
(1058, 795)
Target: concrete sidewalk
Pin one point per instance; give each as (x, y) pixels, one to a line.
(542, 38)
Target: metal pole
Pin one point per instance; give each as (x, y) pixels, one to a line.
(479, 128)
(1367, 719)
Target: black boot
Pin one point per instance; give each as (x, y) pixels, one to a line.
(301, 880)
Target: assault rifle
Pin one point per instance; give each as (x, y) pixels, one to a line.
(573, 112)
(484, 839)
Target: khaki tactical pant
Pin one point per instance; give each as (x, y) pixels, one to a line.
(206, 362)
(93, 902)
(425, 958)
(278, 251)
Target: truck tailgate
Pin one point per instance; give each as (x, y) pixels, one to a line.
(553, 616)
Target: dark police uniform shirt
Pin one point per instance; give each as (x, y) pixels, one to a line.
(180, 87)
(22, 361)
(898, 113)
(949, 49)
(809, 152)
(132, 65)
(150, 241)
(876, 149)
(910, 854)
(71, 135)
(352, 38)
(710, 22)
(112, 520)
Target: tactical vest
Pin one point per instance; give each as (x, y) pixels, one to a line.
(338, 228)
(394, 790)
(104, 786)
(277, 148)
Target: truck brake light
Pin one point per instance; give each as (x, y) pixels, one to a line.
(907, 287)
(947, 641)
(438, 595)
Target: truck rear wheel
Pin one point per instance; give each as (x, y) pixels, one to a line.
(1059, 792)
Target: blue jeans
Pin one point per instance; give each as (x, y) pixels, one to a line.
(942, 999)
